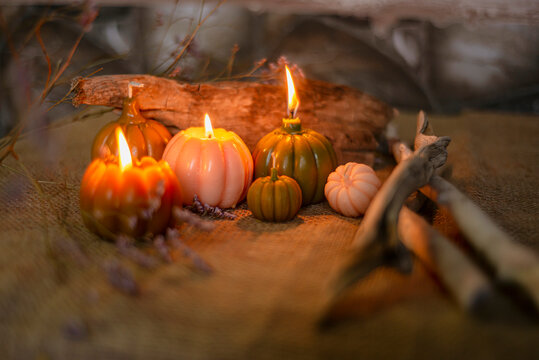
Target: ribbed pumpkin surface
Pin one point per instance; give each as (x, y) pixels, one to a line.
(218, 170)
(274, 198)
(137, 201)
(302, 154)
(145, 137)
(350, 188)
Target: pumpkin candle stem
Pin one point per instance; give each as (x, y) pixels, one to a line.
(130, 88)
(292, 125)
(274, 176)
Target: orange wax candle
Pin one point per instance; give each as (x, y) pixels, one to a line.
(214, 164)
(119, 196)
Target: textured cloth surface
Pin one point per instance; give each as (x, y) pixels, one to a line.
(270, 282)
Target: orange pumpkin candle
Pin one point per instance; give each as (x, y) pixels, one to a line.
(122, 196)
(214, 164)
(145, 137)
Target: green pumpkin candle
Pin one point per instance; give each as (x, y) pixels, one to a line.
(145, 137)
(302, 154)
(274, 198)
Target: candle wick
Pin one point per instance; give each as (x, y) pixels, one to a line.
(292, 114)
(130, 86)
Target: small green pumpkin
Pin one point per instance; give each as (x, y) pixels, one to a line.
(274, 198)
(303, 154)
(145, 137)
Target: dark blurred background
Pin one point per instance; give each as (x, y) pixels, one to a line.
(443, 57)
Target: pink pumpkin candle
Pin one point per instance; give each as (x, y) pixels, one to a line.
(214, 164)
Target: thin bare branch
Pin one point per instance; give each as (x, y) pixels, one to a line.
(62, 68)
(44, 50)
(191, 37)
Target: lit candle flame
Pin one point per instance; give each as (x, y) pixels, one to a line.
(208, 127)
(123, 150)
(293, 101)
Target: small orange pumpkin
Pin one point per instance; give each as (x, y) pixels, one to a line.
(145, 137)
(274, 198)
(136, 202)
(350, 188)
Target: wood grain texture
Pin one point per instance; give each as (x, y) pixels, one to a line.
(351, 119)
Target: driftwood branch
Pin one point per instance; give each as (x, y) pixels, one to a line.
(377, 240)
(515, 266)
(350, 118)
(462, 278)
(379, 235)
(460, 275)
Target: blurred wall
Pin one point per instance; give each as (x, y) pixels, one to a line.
(412, 57)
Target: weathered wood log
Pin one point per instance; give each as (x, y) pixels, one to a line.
(351, 119)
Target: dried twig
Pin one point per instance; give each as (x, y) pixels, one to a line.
(44, 50)
(173, 237)
(191, 37)
(464, 280)
(514, 264)
(7, 144)
(72, 249)
(377, 240)
(169, 24)
(121, 277)
(64, 66)
(75, 329)
(186, 216)
(162, 249)
(125, 247)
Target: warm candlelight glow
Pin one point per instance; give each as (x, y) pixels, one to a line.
(293, 101)
(123, 150)
(208, 127)
(213, 164)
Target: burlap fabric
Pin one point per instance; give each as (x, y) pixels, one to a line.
(271, 281)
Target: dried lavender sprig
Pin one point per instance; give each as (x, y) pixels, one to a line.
(197, 205)
(75, 329)
(188, 217)
(71, 248)
(121, 277)
(162, 248)
(218, 212)
(173, 237)
(205, 209)
(125, 246)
